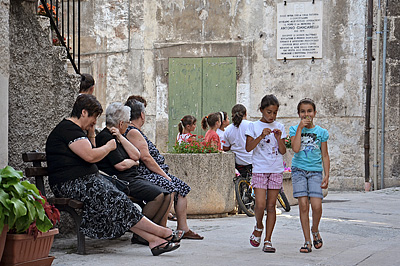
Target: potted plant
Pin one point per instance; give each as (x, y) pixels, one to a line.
(29, 218)
(194, 146)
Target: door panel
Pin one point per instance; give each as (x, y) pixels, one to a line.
(184, 96)
(199, 86)
(219, 84)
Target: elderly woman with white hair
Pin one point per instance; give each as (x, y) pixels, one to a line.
(122, 163)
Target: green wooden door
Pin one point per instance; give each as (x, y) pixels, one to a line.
(199, 86)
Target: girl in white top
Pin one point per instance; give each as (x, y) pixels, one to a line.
(185, 127)
(224, 124)
(266, 137)
(234, 139)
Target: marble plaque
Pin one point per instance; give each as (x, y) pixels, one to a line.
(299, 30)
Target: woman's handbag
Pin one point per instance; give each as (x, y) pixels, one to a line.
(121, 185)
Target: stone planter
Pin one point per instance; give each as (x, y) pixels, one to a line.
(22, 249)
(211, 178)
(288, 188)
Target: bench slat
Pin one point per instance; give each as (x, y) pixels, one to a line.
(34, 156)
(36, 171)
(76, 204)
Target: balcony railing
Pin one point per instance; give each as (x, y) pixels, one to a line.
(65, 20)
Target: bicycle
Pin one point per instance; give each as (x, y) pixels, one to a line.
(245, 195)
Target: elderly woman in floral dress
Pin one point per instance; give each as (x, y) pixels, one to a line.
(152, 165)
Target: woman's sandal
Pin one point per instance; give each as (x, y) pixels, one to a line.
(169, 246)
(172, 217)
(317, 240)
(256, 240)
(306, 248)
(268, 247)
(176, 236)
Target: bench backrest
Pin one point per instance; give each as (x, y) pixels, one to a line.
(38, 171)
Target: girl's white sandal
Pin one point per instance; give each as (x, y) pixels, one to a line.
(256, 240)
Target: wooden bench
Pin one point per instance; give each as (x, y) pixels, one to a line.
(38, 171)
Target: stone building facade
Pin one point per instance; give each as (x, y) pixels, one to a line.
(126, 46)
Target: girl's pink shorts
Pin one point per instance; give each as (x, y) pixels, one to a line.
(267, 181)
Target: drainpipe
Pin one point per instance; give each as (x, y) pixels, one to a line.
(368, 94)
(383, 97)
(376, 84)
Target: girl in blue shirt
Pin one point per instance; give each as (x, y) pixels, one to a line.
(311, 158)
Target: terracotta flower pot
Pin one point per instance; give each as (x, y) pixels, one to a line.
(3, 239)
(23, 248)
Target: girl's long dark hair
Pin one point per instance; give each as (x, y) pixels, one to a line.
(186, 120)
(238, 112)
(210, 120)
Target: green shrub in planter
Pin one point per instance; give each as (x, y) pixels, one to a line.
(21, 204)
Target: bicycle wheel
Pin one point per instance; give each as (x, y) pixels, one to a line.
(243, 195)
(283, 201)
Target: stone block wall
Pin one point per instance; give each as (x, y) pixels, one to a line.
(126, 45)
(41, 92)
(133, 40)
(392, 145)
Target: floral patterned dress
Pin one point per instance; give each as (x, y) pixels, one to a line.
(176, 185)
(107, 213)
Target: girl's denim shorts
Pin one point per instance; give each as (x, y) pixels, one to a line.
(306, 183)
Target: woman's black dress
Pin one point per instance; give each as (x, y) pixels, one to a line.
(107, 212)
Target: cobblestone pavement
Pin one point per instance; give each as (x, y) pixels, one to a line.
(358, 228)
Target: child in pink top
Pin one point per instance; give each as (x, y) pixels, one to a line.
(214, 122)
(186, 126)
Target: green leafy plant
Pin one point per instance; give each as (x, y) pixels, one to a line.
(22, 207)
(195, 146)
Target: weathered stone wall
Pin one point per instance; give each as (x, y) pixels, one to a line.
(392, 145)
(4, 78)
(41, 92)
(113, 50)
(129, 42)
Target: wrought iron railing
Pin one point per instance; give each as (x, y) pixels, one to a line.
(65, 20)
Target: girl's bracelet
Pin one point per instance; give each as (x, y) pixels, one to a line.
(91, 137)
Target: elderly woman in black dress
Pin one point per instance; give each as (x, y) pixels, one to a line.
(108, 213)
(152, 166)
